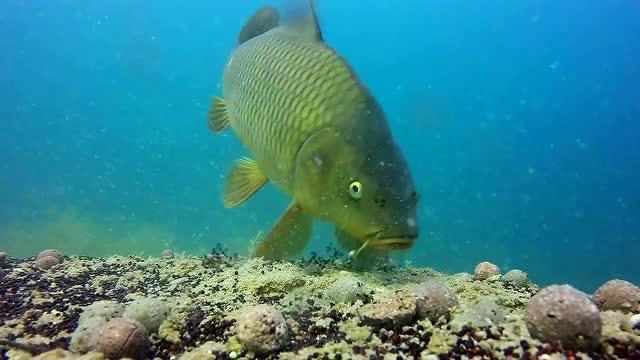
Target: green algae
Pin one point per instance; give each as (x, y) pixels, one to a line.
(355, 332)
(221, 288)
(331, 350)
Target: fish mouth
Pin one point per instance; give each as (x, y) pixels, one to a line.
(381, 241)
(401, 242)
(377, 241)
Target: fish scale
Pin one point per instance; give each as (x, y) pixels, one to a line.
(279, 92)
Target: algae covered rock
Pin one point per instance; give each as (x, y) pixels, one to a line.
(105, 309)
(516, 278)
(434, 300)
(480, 314)
(563, 313)
(396, 308)
(92, 318)
(614, 321)
(81, 336)
(52, 253)
(59, 354)
(485, 270)
(49, 258)
(46, 262)
(3, 259)
(121, 338)
(150, 312)
(347, 289)
(168, 253)
(262, 329)
(618, 295)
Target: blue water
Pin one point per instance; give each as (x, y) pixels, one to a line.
(519, 121)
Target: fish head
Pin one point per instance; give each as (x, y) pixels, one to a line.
(365, 190)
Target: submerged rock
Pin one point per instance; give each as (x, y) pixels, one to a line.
(485, 270)
(480, 314)
(3, 259)
(58, 354)
(614, 321)
(262, 329)
(91, 319)
(105, 309)
(46, 263)
(618, 295)
(516, 278)
(167, 253)
(51, 252)
(49, 258)
(347, 290)
(396, 308)
(562, 313)
(434, 300)
(121, 338)
(81, 337)
(150, 312)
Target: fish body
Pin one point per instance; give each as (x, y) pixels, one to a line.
(317, 133)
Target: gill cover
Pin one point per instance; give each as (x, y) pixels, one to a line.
(314, 163)
(326, 166)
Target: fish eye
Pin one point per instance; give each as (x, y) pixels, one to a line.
(355, 189)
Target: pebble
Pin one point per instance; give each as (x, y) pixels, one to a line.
(395, 309)
(485, 270)
(563, 313)
(262, 329)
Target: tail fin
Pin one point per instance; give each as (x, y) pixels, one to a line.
(260, 22)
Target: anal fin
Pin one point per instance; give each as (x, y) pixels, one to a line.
(244, 180)
(289, 236)
(218, 116)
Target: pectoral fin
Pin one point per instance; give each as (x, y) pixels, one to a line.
(218, 116)
(289, 236)
(244, 180)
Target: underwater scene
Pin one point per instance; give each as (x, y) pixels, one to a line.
(320, 179)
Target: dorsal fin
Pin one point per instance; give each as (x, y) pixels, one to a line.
(304, 23)
(260, 22)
